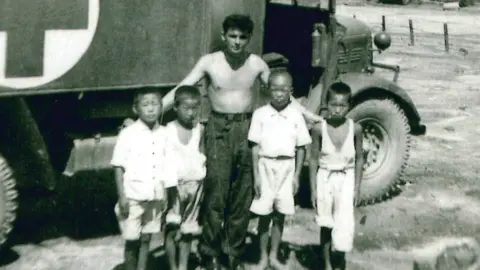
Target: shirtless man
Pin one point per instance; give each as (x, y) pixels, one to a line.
(228, 186)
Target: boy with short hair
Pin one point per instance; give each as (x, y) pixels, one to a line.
(141, 174)
(280, 135)
(186, 138)
(336, 167)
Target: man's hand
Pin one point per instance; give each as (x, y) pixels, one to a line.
(324, 113)
(124, 207)
(296, 184)
(313, 199)
(311, 117)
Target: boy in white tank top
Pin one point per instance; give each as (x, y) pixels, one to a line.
(279, 134)
(186, 140)
(336, 166)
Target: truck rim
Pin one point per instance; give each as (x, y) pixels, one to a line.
(375, 142)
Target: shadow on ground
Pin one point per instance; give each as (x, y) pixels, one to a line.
(305, 257)
(80, 208)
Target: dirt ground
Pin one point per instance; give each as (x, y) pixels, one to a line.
(76, 229)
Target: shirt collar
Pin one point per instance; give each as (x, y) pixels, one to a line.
(144, 127)
(284, 112)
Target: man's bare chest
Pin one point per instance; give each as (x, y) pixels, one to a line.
(222, 76)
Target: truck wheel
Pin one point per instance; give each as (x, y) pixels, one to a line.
(386, 146)
(8, 200)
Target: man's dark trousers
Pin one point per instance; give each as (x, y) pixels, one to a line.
(228, 185)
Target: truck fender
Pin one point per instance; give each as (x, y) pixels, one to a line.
(365, 86)
(23, 146)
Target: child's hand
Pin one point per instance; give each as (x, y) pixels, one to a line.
(257, 189)
(123, 205)
(356, 198)
(296, 184)
(178, 236)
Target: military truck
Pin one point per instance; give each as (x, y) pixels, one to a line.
(68, 70)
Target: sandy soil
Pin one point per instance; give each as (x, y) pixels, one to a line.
(76, 229)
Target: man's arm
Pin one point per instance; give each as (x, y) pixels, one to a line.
(196, 74)
(358, 158)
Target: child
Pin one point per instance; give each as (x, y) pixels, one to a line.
(280, 135)
(186, 137)
(338, 155)
(141, 175)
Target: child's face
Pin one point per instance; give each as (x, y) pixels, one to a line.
(236, 40)
(187, 110)
(148, 108)
(280, 93)
(338, 106)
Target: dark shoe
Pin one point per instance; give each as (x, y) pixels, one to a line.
(212, 263)
(234, 263)
(131, 255)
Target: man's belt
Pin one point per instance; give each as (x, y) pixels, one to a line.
(278, 157)
(237, 117)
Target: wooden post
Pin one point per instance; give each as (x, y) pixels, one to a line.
(383, 23)
(445, 34)
(412, 37)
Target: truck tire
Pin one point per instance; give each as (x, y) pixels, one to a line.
(8, 200)
(386, 144)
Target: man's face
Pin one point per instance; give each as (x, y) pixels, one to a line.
(148, 108)
(236, 40)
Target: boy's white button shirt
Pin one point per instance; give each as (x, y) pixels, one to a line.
(143, 154)
(278, 133)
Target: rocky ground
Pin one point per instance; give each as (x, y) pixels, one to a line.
(76, 229)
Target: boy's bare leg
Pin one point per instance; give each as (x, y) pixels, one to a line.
(171, 247)
(263, 236)
(131, 254)
(325, 243)
(144, 252)
(185, 247)
(278, 220)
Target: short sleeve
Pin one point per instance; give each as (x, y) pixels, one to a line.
(255, 131)
(303, 136)
(120, 151)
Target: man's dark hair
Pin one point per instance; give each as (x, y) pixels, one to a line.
(144, 91)
(238, 21)
(186, 91)
(340, 88)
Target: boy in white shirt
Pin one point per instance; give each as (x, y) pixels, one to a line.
(186, 140)
(142, 175)
(280, 135)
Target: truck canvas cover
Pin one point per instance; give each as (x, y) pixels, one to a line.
(80, 45)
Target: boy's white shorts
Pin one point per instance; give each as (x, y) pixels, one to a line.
(276, 178)
(335, 206)
(144, 217)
